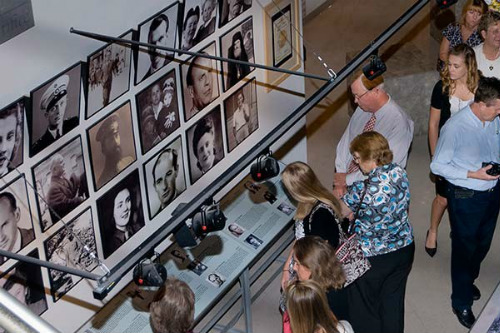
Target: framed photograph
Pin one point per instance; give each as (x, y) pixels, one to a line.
(282, 41)
(15, 214)
(158, 111)
(55, 108)
(61, 183)
(230, 9)
(200, 85)
(241, 115)
(198, 23)
(165, 177)
(66, 247)
(24, 282)
(108, 74)
(237, 44)
(282, 33)
(205, 144)
(112, 147)
(120, 213)
(160, 29)
(11, 136)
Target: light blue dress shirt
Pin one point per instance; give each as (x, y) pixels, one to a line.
(465, 142)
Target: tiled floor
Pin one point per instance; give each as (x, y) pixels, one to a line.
(345, 27)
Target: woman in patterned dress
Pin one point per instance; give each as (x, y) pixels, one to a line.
(376, 299)
(464, 31)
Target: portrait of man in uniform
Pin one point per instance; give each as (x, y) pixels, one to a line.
(55, 109)
(112, 145)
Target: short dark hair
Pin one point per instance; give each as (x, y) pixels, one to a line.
(488, 90)
(174, 159)
(172, 309)
(191, 12)
(205, 125)
(157, 21)
(189, 73)
(10, 198)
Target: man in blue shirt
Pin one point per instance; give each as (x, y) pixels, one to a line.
(468, 139)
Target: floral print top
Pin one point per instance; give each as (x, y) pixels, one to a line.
(453, 34)
(382, 222)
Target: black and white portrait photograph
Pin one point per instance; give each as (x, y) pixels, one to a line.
(120, 213)
(237, 44)
(165, 178)
(254, 241)
(108, 75)
(61, 183)
(11, 136)
(200, 84)
(161, 30)
(286, 208)
(24, 282)
(235, 229)
(216, 279)
(158, 111)
(112, 146)
(198, 23)
(241, 115)
(71, 246)
(230, 9)
(197, 267)
(55, 109)
(15, 217)
(205, 144)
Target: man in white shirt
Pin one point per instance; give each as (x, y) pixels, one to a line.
(376, 111)
(488, 52)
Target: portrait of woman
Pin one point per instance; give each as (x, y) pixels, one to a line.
(238, 45)
(120, 213)
(205, 144)
(11, 136)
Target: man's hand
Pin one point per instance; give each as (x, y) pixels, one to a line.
(339, 184)
(481, 174)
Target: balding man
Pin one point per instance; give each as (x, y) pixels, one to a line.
(165, 171)
(376, 111)
(53, 103)
(62, 196)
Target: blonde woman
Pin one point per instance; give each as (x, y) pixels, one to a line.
(453, 92)
(317, 211)
(309, 312)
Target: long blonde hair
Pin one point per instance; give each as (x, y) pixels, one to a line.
(467, 53)
(308, 309)
(303, 185)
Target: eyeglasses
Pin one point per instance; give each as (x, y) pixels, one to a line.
(361, 96)
(356, 159)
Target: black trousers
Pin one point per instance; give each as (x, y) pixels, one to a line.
(377, 299)
(473, 218)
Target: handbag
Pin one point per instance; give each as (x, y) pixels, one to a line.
(349, 252)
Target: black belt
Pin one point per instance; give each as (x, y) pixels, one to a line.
(469, 189)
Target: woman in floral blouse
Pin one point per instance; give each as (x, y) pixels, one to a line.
(380, 204)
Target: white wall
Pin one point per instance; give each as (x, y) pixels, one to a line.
(45, 50)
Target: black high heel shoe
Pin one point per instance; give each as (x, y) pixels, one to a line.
(431, 251)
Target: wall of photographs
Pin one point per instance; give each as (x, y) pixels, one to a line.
(110, 139)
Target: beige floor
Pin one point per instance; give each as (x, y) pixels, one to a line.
(344, 27)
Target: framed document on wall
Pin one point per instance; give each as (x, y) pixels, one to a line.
(282, 39)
